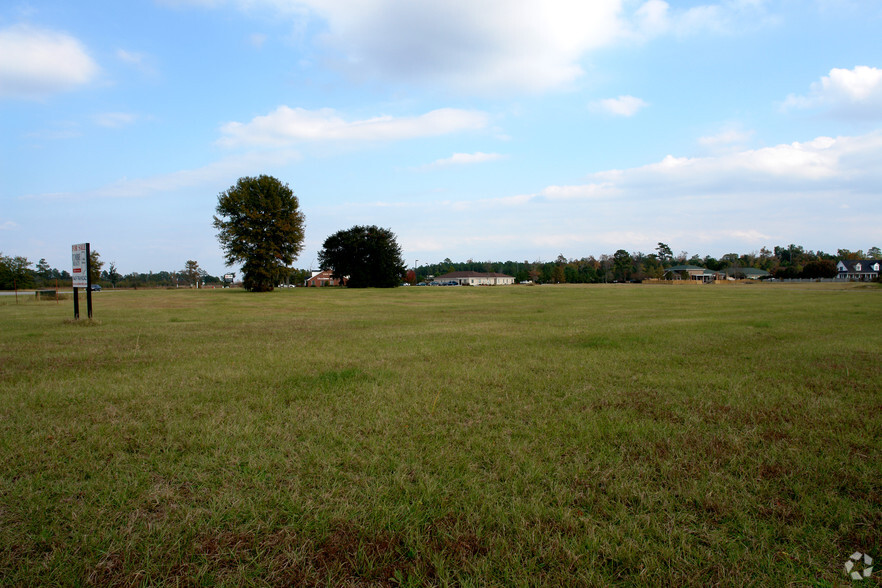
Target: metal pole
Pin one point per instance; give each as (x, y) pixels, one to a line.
(88, 281)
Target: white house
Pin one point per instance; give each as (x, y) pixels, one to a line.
(861, 270)
(476, 279)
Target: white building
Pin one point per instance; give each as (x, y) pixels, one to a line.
(862, 270)
(476, 279)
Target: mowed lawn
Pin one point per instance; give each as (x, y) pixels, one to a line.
(553, 435)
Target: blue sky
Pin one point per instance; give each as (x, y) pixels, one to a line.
(473, 129)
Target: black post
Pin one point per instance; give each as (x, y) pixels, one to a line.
(88, 281)
(76, 304)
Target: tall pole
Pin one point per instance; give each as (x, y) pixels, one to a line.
(88, 280)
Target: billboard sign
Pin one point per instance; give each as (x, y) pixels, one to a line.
(80, 259)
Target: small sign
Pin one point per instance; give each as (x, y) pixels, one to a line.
(80, 259)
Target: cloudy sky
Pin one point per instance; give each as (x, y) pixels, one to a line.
(473, 129)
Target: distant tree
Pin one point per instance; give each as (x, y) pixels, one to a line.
(713, 264)
(622, 264)
(874, 253)
(43, 270)
(192, 272)
(15, 272)
(846, 254)
(367, 256)
(820, 268)
(112, 275)
(260, 224)
(95, 265)
(664, 253)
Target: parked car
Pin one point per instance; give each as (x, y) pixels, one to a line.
(96, 288)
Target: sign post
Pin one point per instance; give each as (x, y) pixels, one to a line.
(82, 276)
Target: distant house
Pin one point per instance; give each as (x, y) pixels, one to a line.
(695, 273)
(323, 278)
(861, 270)
(476, 279)
(748, 273)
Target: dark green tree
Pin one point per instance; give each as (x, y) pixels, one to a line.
(15, 272)
(95, 265)
(664, 252)
(820, 268)
(112, 275)
(43, 271)
(367, 257)
(260, 225)
(622, 264)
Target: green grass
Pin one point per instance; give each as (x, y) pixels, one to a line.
(635, 435)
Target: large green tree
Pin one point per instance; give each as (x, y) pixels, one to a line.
(15, 272)
(260, 225)
(622, 264)
(367, 257)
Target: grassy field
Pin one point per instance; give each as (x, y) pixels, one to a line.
(553, 435)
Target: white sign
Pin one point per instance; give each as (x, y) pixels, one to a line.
(80, 271)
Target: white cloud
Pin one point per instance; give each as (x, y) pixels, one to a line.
(494, 45)
(465, 158)
(129, 57)
(849, 92)
(797, 163)
(219, 173)
(36, 62)
(8, 226)
(750, 199)
(621, 106)
(729, 138)
(114, 120)
(140, 61)
(491, 46)
(655, 18)
(287, 125)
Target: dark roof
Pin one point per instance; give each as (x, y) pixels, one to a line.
(685, 268)
(454, 275)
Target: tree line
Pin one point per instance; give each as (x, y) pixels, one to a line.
(782, 262)
(19, 272)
